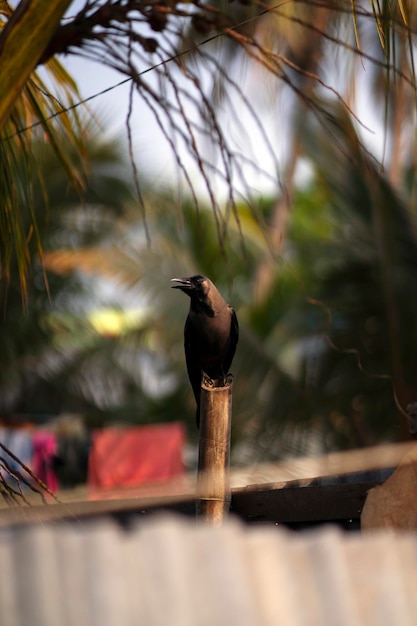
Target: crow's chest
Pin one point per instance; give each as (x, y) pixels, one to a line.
(212, 334)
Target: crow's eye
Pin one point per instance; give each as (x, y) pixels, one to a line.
(198, 281)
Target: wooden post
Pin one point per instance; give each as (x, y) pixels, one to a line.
(213, 487)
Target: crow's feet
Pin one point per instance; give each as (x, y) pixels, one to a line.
(224, 381)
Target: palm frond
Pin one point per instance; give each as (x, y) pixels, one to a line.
(22, 41)
(19, 227)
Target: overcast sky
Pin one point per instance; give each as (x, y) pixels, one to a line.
(152, 151)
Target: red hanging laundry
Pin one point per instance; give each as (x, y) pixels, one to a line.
(137, 455)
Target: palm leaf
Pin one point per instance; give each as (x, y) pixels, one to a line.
(26, 109)
(22, 41)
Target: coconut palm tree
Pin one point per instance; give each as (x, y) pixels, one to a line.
(295, 56)
(304, 48)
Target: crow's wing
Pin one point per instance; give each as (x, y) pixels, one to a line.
(234, 338)
(192, 358)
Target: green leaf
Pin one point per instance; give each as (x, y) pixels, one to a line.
(22, 42)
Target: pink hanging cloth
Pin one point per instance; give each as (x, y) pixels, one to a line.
(44, 452)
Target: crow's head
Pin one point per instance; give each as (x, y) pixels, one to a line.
(197, 287)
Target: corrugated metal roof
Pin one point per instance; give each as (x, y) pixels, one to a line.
(171, 570)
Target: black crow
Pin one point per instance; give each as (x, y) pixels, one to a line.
(210, 335)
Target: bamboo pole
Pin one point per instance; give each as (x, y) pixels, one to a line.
(213, 484)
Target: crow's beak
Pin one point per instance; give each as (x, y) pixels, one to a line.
(183, 283)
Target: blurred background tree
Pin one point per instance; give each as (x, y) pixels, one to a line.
(320, 268)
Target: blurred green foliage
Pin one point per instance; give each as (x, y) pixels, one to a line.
(318, 345)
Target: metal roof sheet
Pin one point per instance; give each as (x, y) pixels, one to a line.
(171, 570)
